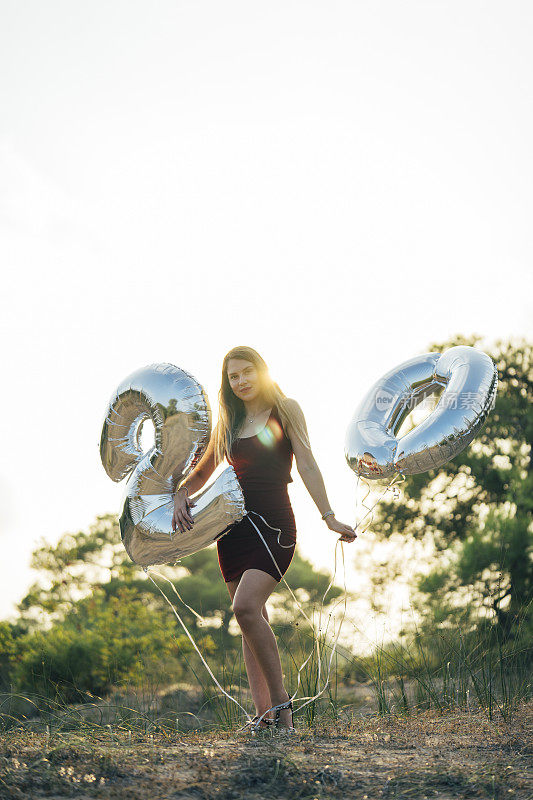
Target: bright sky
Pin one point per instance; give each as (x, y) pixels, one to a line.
(333, 183)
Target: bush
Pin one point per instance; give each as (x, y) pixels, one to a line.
(7, 652)
(98, 645)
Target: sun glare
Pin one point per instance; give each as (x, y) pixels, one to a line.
(270, 434)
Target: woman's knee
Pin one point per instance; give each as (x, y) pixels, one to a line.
(245, 612)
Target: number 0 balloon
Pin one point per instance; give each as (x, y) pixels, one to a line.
(180, 412)
(469, 378)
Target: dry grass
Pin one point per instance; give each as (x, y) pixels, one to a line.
(457, 755)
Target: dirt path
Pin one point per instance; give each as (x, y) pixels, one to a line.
(448, 757)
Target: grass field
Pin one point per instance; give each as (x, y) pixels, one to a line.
(456, 754)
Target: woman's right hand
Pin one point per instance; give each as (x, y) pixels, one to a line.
(182, 517)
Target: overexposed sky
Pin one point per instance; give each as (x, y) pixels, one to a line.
(333, 183)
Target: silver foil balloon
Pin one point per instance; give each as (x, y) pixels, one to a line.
(180, 412)
(469, 380)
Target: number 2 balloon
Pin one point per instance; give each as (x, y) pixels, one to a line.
(469, 379)
(180, 412)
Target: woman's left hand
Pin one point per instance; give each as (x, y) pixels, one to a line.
(348, 533)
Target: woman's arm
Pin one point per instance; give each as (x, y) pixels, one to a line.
(201, 473)
(312, 477)
(182, 517)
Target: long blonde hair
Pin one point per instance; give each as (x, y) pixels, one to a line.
(232, 411)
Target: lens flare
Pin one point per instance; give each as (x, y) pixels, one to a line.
(271, 433)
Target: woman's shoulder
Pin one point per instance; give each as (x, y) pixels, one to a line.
(293, 407)
(291, 402)
(293, 415)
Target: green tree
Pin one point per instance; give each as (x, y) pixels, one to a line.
(81, 562)
(93, 614)
(101, 643)
(476, 509)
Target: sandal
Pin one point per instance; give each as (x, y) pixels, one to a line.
(259, 722)
(291, 728)
(259, 725)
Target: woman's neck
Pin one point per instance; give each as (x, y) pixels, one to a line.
(255, 407)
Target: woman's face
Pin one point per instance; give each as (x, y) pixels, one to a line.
(243, 379)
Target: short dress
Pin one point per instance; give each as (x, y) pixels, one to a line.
(262, 464)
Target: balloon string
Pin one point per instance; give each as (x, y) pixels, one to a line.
(285, 546)
(316, 640)
(204, 662)
(198, 616)
(396, 479)
(334, 648)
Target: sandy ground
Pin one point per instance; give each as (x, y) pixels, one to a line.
(457, 755)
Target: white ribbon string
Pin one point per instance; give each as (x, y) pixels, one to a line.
(305, 700)
(315, 638)
(180, 598)
(316, 641)
(397, 478)
(204, 662)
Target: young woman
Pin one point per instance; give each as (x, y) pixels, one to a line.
(258, 431)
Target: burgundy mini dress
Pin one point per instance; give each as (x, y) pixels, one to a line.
(262, 464)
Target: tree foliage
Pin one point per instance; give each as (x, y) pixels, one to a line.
(93, 617)
(476, 510)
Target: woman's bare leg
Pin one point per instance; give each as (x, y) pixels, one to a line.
(256, 679)
(259, 686)
(253, 590)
